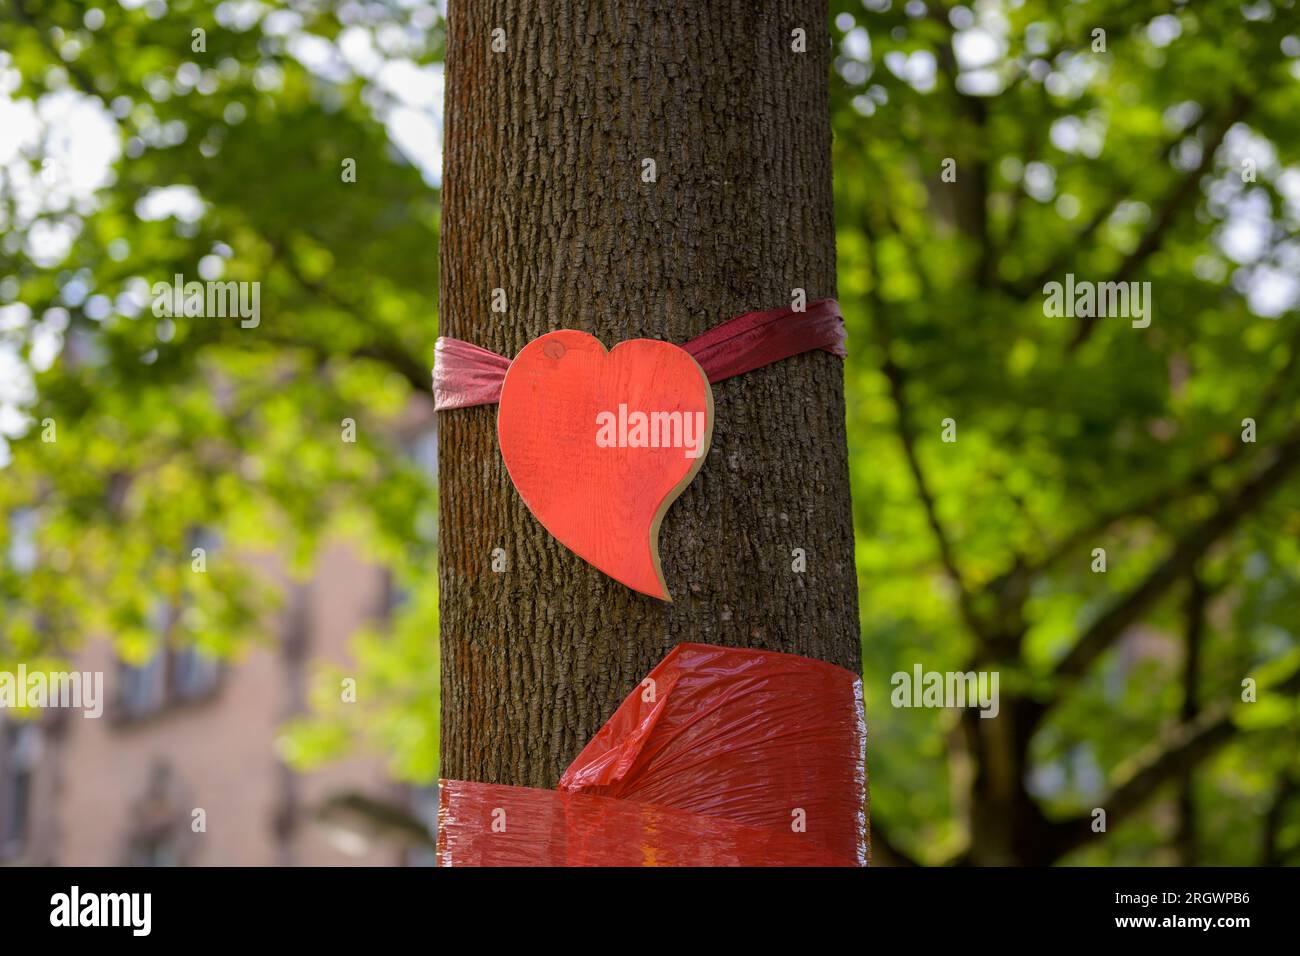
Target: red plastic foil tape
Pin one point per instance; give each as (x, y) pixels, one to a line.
(722, 756)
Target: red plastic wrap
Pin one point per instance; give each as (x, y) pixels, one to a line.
(548, 828)
(722, 755)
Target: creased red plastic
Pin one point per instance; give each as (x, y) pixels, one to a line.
(721, 755)
(465, 375)
(547, 828)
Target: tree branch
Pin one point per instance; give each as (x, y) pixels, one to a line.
(1099, 218)
(972, 205)
(1188, 746)
(1173, 204)
(387, 352)
(896, 379)
(1194, 480)
(1287, 789)
(1198, 599)
(1186, 551)
(1182, 749)
(907, 437)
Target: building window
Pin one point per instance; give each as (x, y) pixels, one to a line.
(194, 674)
(172, 676)
(144, 688)
(19, 752)
(23, 553)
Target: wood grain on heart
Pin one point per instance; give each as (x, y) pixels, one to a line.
(599, 444)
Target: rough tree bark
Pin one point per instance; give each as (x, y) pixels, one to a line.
(544, 199)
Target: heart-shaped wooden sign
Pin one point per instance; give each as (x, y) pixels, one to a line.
(599, 444)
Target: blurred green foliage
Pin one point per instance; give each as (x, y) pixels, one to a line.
(166, 427)
(1113, 159)
(1124, 164)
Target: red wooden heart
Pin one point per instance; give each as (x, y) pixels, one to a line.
(599, 444)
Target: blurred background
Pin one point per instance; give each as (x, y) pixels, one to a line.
(237, 525)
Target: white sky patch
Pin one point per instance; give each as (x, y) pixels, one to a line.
(46, 345)
(22, 130)
(1181, 116)
(980, 46)
(77, 142)
(174, 202)
(131, 301)
(50, 240)
(1242, 142)
(1271, 291)
(414, 120)
(239, 15)
(1288, 184)
(1085, 136)
(977, 48)
(980, 82)
(407, 97)
(917, 69)
(857, 44)
(320, 56)
(1040, 181)
(15, 316)
(419, 86)
(15, 378)
(1247, 229)
(1066, 133)
(1164, 30)
(419, 136)
(81, 142)
(280, 23)
(1075, 73)
(14, 422)
(358, 49)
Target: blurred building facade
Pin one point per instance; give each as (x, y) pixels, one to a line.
(183, 768)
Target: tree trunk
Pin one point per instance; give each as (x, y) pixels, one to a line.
(544, 198)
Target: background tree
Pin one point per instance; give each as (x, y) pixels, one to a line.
(1108, 140)
(1120, 690)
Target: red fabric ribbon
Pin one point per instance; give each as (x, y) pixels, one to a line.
(466, 375)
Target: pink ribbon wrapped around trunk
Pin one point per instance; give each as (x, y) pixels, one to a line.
(465, 375)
